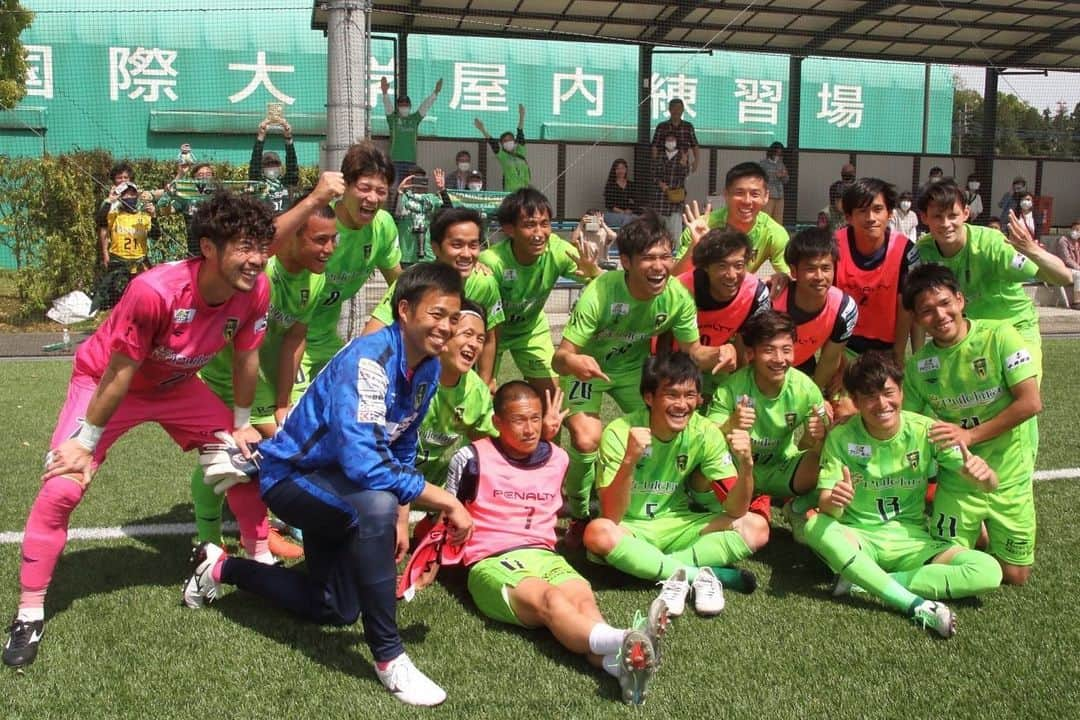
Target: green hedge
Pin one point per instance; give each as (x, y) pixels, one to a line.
(47, 210)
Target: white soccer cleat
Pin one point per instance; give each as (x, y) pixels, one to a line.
(673, 592)
(406, 683)
(653, 624)
(708, 593)
(936, 616)
(636, 666)
(201, 588)
(843, 587)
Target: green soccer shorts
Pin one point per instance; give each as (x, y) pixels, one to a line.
(898, 546)
(532, 354)
(775, 476)
(587, 397)
(670, 531)
(491, 579)
(1009, 515)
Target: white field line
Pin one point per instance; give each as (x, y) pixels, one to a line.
(130, 531)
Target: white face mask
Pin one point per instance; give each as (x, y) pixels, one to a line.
(475, 186)
(1074, 234)
(973, 185)
(272, 173)
(509, 146)
(404, 110)
(905, 205)
(1026, 204)
(464, 167)
(671, 145)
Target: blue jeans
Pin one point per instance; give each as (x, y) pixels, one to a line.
(349, 540)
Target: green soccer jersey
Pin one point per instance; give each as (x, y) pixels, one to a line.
(889, 476)
(525, 288)
(457, 415)
(991, 274)
(768, 239)
(357, 255)
(968, 384)
(515, 168)
(659, 482)
(776, 418)
(609, 324)
(403, 132)
(480, 287)
(292, 300)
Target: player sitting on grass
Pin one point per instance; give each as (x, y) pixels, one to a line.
(978, 378)
(455, 240)
(646, 527)
(527, 265)
(871, 528)
(511, 486)
(140, 367)
(606, 340)
(296, 279)
(771, 400)
(340, 469)
(824, 315)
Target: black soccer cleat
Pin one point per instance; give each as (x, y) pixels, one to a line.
(22, 644)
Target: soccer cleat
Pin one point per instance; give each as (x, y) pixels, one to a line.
(201, 588)
(653, 624)
(282, 548)
(22, 644)
(575, 533)
(673, 591)
(406, 683)
(637, 665)
(936, 616)
(842, 588)
(708, 593)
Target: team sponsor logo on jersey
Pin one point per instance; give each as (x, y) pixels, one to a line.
(496, 308)
(305, 295)
(619, 309)
(367, 251)
(660, 320)
(230, 328)
(859, 451)
(857, 479)
(681, 461)
(418, 398)
(526, 495)
(913, 459)
(459, 414)
(929, 364)
(1018, 358)
(1018, 261)
(434, 437)
(260, 325)
(790, 419)
(183, 315)
(979, 366)
(509, 275)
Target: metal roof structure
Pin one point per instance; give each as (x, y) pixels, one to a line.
(1041, 34)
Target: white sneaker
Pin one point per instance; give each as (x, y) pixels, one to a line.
(408, 684)
(936, 616)
(708, 593)
(201, 589)
(674, 591)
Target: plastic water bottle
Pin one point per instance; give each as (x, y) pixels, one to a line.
(67, 339)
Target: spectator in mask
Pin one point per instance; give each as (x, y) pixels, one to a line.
(403, 124)
(459, 179)
(774, 167)
(1026, 212)
(904, 220)
(510, 152)
(183, 197)
(1068, 249)
(475, 182)
(125, 253)
(972, 197)
(1011, 199)
(266, 167)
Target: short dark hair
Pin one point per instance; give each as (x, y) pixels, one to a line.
(764, 326)
(811, 243)
(364, 158)
(225, 216)
(419, 278)
(672, 367)
(526, 201)
(121, 167)
(463, 152)
(776, 145)
(718, 244)
(506, 134)
(675, 101)
(452, 216)
(744, 170)
(928, 276)
(642, 233)
(474, 307)
(944, 193)
(199, 166)
(862, 192)
(936, 169)
(512, 391)
(870, 371)
(323, 211)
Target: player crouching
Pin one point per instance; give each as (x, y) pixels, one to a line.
(511, 486)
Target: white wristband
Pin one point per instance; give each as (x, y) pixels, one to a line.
(89, 435)
(241, 417)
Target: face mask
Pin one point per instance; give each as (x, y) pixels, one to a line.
(404, 110)
(464, 167)
(129, 204)
(973, 185)
(1026, 204)
(669, 146)
(1074, 234)
(1019, 187)
(905, 205)
(474, 186)
(509, 146)
(272, 173)
(848, 178)
(935, 178)
(204, 185)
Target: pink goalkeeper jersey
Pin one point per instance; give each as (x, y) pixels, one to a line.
(162, 322)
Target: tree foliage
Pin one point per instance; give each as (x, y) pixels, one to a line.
(14, 18)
